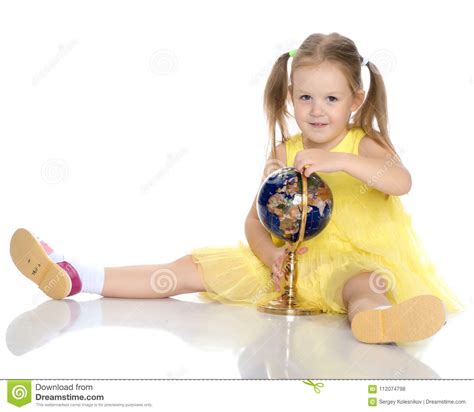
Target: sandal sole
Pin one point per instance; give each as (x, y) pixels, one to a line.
(33, 262)
(415, 319)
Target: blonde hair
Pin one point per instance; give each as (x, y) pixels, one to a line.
(342, 52)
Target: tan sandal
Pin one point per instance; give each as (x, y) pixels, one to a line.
(417, 318)
(32, 261)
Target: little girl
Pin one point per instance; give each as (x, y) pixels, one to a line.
(368, 261)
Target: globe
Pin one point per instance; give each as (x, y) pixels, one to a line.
(280, 204)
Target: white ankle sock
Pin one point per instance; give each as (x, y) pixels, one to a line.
(383, 307)
(92, 276)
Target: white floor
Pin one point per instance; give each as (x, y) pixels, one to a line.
(185, 337)
(114, 151)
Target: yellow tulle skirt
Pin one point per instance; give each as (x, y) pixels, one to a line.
(234, 275)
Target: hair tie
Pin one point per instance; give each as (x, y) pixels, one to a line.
(365, 60)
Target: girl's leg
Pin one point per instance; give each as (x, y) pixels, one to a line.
(59, 277)
(153, 281)
(364, 296)
(359, 293)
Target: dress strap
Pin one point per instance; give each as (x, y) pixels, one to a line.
(358, 134)
(293, 145)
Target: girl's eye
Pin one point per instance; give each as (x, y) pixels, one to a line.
(303, 97)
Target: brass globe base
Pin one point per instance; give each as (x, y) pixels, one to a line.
(279, 307)
(283, 307)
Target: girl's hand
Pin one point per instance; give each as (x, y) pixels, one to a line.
(277, 265)
(318, 160)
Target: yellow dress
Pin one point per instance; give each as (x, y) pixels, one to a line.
(368, 231)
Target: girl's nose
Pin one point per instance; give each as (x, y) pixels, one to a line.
(316, 109)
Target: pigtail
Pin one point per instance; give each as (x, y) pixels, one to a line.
(275, 101)
(375, 106)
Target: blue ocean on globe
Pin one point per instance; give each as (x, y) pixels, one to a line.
(280, 202)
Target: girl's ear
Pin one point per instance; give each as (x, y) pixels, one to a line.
(290, 93)
(358, 99)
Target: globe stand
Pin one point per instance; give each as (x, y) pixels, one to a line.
(287, 303)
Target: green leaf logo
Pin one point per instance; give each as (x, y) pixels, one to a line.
(19, 392)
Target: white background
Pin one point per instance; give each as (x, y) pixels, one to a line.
(133, 132)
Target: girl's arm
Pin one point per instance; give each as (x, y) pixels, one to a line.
(376, 167)
(259, 238)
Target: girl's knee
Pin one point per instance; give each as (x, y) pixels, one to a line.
(352, 284)
(187, 272)
(361, 283)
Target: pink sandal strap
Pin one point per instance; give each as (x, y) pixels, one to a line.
(76, 284)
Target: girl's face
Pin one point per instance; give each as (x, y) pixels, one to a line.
(321, 94)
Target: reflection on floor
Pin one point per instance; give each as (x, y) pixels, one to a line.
(262, 346)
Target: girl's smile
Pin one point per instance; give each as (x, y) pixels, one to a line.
(318, 125)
